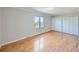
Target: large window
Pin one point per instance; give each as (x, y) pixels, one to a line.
(39, 22)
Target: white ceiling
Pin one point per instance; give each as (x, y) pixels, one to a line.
(58, 10)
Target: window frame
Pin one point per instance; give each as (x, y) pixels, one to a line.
(39, 23)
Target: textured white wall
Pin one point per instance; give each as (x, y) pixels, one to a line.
(67, 24)
(19, 23)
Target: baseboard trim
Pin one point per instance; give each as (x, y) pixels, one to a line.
(12, 41)
(22, 38)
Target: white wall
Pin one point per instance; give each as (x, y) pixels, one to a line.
(19, 23)
(0, 25)
(66, 24)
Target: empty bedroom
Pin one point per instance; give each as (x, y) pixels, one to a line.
(39, 29)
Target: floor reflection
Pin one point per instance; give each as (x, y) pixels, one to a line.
(39, 44)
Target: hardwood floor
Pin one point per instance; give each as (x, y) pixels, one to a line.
(47, 42)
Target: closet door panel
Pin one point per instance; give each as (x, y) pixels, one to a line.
(70, 25)
(75, 25)
(57, 25)
(65, 25)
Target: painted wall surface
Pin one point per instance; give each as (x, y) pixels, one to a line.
(66, 24)
(0, 25)
(19, 23)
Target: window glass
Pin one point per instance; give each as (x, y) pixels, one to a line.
(42, 22)
(39, 21)
(36, 20)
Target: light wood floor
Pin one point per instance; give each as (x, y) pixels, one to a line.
(47, 42)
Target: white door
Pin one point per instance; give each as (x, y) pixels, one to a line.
(57, 24)
(70, 25)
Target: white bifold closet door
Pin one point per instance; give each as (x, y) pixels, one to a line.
(70, 25)
(57, 24)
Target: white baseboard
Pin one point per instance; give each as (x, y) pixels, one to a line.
(20, 39)
(12, 41)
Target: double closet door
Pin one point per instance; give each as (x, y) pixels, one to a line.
(68, 24)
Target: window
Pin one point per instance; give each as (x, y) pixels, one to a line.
(36, 21)
(39, 21)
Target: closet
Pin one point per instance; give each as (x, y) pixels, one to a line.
(66, 24)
